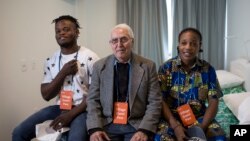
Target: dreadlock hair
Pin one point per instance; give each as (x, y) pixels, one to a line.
(67, 17)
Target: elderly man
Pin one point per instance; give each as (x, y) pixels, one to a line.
(124, 101)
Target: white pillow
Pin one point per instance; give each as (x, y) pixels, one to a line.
(234, 101)
(228, 79)
(244, 112)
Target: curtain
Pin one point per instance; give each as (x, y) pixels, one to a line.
(209, 16)
(148, 19)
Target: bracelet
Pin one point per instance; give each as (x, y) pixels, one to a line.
(176, 126)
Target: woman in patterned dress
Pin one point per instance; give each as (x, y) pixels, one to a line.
(187, 79)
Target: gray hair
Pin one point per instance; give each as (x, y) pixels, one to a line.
(125, 26)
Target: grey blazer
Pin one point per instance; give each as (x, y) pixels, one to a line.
(144, 94)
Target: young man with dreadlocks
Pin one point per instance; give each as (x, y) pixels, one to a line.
(67, 76)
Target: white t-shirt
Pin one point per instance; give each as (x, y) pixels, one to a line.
(81, 80)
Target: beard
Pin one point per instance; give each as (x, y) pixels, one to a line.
(66, 44)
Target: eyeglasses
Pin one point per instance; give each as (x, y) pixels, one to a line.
(122, 40)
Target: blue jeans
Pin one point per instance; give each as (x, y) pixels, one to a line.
(118, 132)
(26, 130)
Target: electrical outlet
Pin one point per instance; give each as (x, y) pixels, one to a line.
(24, 66)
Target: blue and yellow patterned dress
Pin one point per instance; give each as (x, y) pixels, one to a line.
(196, 87)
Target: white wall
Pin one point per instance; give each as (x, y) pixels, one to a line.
(238, 38)
(98, 18)
(27, 39)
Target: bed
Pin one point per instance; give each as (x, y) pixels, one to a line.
(235, 85)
